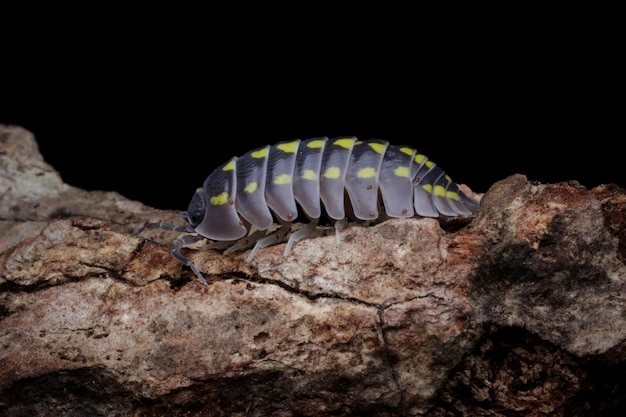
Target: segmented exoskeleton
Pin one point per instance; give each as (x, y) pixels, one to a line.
(269, 183)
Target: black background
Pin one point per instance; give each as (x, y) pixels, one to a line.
(150, 113)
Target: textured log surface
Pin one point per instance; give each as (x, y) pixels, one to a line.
(519, 313)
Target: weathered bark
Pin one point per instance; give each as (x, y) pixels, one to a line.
(520, 312)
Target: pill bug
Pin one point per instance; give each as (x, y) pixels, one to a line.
(266, 185)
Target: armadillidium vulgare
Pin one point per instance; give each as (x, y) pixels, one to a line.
(267, 185)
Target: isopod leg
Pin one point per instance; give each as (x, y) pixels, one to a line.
(305, 232)
(245, 243)
(339, 226)
(187, 240)
(270, 239)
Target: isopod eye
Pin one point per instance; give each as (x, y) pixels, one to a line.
(196, 209)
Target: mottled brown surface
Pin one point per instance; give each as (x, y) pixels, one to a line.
(519, 313)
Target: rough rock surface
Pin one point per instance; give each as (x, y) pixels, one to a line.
(519, 312)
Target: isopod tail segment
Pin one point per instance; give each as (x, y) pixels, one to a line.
(267, 185)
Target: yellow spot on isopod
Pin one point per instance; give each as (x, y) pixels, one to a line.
(229, 166)
(430, 164)
(309, 174)
(440, 191)
(282, 179)
(261, 153)
(420, 159)
(315, 144)
(333, 173)
(219, 199)
(408, 151)
(452, 195)
(448, 178)
(401, 172)
(344, 143)
(428, 188)
(289, 147)
(252, 187)
(368, 172)
(379, 148)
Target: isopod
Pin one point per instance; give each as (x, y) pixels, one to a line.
(268, 184)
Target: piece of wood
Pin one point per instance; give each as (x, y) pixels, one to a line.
(514, 311)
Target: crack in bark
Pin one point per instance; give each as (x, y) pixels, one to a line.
(308, 295)
(387, 355)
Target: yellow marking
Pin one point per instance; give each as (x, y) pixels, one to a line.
(368, 172)
(453, 196)
(344, 143)
(407, 151)
(289, 147)
(219, 199)
(448, 178)
(401, 172)
(252, 187)
(199, 190)
(440, 191)
(282, 179)
(358, 142)
(379, 148)
(430, 164)
(420, 159)
(229, 166)
(309, 174)
(333, 173)
(261, 153)
(315, 144)
(428, 188)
